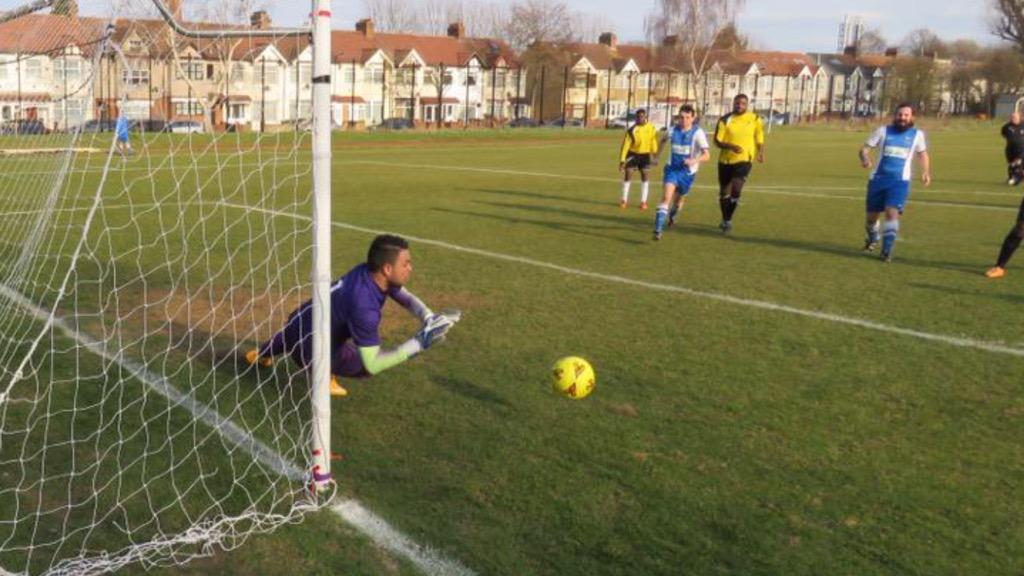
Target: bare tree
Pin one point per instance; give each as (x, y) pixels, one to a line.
(485, 19)
(392, 15)
(538, 21)
(871, 42)
(924, 42)
(696, 25)
(1008, 22)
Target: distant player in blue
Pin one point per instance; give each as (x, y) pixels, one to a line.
(124, 144)
(357, 299)
(889, 186)
(689, 146)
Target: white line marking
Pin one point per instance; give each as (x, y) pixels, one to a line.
(428, 560)
(960, 342)
(777, 190)
(351, 511)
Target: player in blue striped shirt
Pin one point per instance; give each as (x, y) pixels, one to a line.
(889, 186)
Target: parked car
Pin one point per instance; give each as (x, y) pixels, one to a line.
(94, 126)
(395, 124)
(29, 127)
(185, 127)
(523, 123)
(564, 123)
(622, 122)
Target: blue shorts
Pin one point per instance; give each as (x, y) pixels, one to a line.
(681, 178)
(885, 193)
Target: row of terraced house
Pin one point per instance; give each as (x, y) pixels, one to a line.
(63, 69)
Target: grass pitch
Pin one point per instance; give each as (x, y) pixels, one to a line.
(743, 421)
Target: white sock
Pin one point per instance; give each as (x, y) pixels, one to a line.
(625, 191)
(645, 189)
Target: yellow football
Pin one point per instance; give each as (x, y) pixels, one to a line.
(573, 377)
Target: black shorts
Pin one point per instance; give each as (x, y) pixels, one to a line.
(639, 161)
(729, 172)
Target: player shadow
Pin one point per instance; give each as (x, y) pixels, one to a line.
(467, 389)
(845, 251)
(1011, 298)
(577, 229)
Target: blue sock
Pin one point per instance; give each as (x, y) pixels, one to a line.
(659, 219)
(890, 230)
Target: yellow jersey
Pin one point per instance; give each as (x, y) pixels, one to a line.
(744, 130)
(639, 140)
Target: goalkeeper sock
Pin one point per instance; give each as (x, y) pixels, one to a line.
(625, 192)
(645, 190)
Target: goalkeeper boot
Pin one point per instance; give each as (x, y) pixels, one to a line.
(995, 272)
(336, 389)
(253, 357)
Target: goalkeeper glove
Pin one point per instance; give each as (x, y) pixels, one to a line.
(436, 327)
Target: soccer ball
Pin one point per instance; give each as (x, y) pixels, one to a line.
(573, 377)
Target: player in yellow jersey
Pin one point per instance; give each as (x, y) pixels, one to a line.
(639, 152)
(740, 136)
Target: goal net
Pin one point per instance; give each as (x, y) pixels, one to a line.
(135, 274)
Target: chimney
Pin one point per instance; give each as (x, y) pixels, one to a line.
(66, 8)
(175, 7)
(670, 41)
(609, 39)
(457, 30)
(892, 52)
(260, 20)
(366, 27)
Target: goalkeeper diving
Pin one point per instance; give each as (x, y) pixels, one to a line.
(357, 299)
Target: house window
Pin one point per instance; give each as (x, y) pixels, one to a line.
(74, 114)
(471, 78)
(266, 73)
(305, 72)
(192, 70)
(622, 82)
(136, 109)
(135, 45)
(448, 79)
(237, 112)
(187, 108)
(135, 76)
(348, 74)
(72, 67)
(238, 73)
(375, 74)
(33, 69)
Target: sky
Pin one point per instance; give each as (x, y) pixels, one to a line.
(801, 25)
(798, 25)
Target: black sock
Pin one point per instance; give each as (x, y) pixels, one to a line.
(734, 203)
(724, 202)
(1010, 246)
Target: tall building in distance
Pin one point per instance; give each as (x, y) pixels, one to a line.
(850, 31)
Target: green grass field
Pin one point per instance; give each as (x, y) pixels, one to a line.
(745, 421)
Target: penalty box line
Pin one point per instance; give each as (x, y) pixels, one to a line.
(959, 342)
(428, 560)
